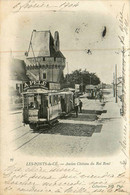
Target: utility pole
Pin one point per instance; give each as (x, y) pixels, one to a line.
(90, 86)
(113, 85)
(116, 83)
(67, 72)
(82, 84)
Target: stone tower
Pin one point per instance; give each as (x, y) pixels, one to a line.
(44, 60)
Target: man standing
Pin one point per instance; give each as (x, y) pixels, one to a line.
(76, 106)
(80, 105)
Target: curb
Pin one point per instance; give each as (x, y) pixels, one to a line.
(15, 112)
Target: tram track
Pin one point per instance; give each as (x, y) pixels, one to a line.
(17, 128)
(21, 136)
(40, 131)
(27, 142)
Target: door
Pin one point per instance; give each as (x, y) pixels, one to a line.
(43, 106)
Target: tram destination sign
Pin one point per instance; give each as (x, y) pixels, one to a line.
(35, 84)
(45, 84)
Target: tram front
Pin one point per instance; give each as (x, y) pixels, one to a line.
(35, 104)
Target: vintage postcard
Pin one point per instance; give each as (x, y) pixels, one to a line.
(64, 97)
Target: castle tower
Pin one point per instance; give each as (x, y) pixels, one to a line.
(44, 60)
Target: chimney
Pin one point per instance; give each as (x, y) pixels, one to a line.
(56, 41)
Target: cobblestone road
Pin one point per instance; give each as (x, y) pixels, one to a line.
(70, 137)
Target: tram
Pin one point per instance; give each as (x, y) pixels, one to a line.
(43, 107)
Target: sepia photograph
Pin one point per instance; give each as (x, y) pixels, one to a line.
(67, 92)
(66, 89)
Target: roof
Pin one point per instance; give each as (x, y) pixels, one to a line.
(19, 77)
(66, 92)
(68, 89)
(90, 86)
(54, 53)
(42, 43)
(17, 65)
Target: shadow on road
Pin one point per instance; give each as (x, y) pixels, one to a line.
(83, 117)
(71, 129)
(98, 112)
(86, 115)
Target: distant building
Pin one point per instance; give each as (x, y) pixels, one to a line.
(17, 78)
(91, 91)
(44, 60)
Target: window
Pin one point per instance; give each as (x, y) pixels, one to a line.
(43, 58)
(54, 59)
(52, 100)
(44, 75)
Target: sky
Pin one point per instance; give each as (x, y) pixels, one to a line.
(79, 31)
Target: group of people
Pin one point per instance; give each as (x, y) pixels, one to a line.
(78, 106)
(97, 94)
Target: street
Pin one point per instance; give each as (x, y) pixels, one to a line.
(95, 132)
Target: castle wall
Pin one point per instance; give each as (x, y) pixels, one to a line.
(52, 67)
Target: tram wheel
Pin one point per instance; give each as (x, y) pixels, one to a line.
(33, 126)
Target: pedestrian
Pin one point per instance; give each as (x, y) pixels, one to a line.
(100, 96)
(80, 105)
(63, 107)
(76, 106)
(76, 110)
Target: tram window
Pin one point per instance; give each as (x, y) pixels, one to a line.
(31, 101)
(56, 99)
(38, 98)
(59, 98)
(49, 99)
(52, 100)
(44, 75)
(31, 105)
(46, 101)
(34, 101)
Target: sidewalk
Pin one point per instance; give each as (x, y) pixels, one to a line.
(107, 141)
(15, 108)
(92, 105)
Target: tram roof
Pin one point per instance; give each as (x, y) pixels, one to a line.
(43, 90)
(37, 91)
(40, 91)
(66, 92)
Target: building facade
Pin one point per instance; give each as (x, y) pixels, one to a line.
(17, 79)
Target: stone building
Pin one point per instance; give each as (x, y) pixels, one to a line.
(17, 78)
(17, 75)
(44, 60)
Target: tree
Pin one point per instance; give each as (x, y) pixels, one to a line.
(82, 78)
